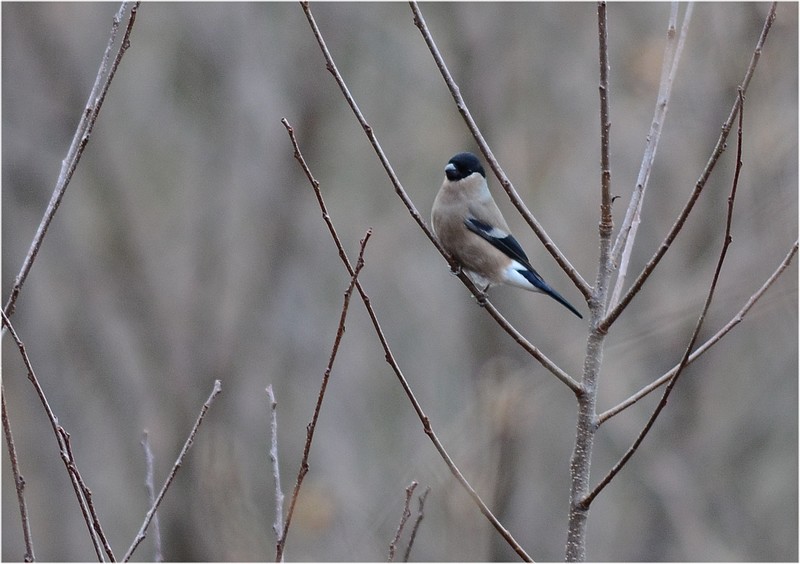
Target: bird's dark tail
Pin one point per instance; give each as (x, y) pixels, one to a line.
(537, 281)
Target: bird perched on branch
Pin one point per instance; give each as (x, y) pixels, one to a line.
(470, 227)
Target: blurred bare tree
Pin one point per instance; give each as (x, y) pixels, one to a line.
(189, 248)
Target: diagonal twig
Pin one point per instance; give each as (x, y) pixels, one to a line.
(699, 185)
(280, 547)
(403, 519)
(488, 306)
(623, 245)
(727, 240)
(537, 228)
(735, 320)
(417, 521)
(82, 492)
(215, 391)
(390, 359)
(105, 74)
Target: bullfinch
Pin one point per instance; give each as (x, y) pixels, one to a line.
(470, 227)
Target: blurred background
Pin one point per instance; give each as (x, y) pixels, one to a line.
(189, 247)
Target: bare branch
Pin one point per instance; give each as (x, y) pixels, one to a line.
(587, 501)
(623, 246)
(19, 481)
(318, 408)
(735, 320)
(105, 74)
(581, 460)
(403, 519)
(701, 182)
(417, 521)
(537, 228)
(82, 492)
(393, 362)
(484, 302)
(216, 390)
(149, 482)
(277, 527)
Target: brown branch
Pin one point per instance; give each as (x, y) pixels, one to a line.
(82, 492)
(19, 481)
(140, 536)
(537, 228)
(280, 547)
(389, 356)
(587, 501)
(105, 75)
(400, 191)
(700, 184)
(417, 521)
(403, 519)
(735, 320)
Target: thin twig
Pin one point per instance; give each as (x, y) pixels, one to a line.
(403, 519)
(82, 492)
(277, 526)
(700, 184)
(623, 246)
(417, 521)
(140, 536)
(587, 501)
(150, 484)
(400, 191)
(537, 228)
(389, 356)
(735, 320)
(105, 74)
(19, 481)
(318, 408)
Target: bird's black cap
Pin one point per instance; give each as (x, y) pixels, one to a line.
(462, 165)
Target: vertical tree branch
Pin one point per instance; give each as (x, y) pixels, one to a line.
(580, 464)
(150, 484)
(277, 526)
(586, 502)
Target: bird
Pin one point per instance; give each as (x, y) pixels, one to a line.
(469, 226)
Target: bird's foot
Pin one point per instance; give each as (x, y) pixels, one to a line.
(483, 296)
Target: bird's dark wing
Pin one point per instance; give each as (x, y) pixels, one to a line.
(506, 243)
(499, 239)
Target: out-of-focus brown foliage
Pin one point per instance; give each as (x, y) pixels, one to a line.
(189, 247)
